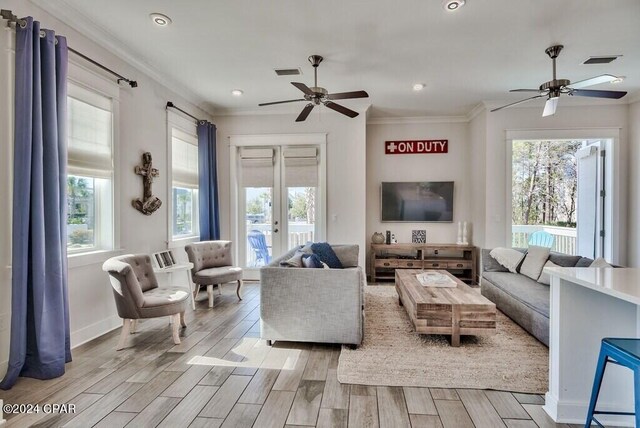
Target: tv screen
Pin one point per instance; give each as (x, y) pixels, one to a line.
(427, 201)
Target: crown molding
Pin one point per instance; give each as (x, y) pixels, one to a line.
(84, 25)
(416, 119)
(634, 97)
(479, 108)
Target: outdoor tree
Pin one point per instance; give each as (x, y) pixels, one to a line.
(544, 182)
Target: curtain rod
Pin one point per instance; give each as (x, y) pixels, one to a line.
(9, 16)
(171, 105)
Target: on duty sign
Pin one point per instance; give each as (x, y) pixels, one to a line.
(416, 147)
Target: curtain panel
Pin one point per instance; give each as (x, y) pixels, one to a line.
(208, 182)
(40, 343)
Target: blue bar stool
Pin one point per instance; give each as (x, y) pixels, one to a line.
(623, 352)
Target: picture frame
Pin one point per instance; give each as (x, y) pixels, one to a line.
(164, 259)
(419, 236)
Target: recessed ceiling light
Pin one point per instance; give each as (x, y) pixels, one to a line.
(237, 92)
(451, 5)
(160, 20)
(418, 86)
(619, 79)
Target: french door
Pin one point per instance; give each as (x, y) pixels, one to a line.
(279, 201)
(591, 223)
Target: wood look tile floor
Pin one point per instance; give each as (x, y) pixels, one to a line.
(222, 375)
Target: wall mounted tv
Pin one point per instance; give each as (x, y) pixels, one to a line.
(427, 201)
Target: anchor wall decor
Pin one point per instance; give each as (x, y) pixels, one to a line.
(149, 203)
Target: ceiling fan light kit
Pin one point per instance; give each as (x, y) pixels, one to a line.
(317, 95)
(553, 89)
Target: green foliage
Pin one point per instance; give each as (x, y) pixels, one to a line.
(544, 182)
(81, 237)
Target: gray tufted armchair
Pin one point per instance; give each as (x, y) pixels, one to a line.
(137, 295)
(213, 265)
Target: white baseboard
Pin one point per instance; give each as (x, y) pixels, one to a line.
(97, 329)
(575, 413)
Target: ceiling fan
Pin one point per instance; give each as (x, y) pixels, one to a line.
(317, 95)
(554, 88)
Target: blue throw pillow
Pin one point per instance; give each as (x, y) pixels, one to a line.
(311, 261)
(326, 254)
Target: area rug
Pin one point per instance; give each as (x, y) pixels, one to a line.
(393, 355)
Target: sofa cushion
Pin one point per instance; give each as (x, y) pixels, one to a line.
(564, 260)
(218, 275)
(326, 255)
(489, 264)
(508, 257)
(544, 276)
(600, 263)
(311, 261)
(525, 290)
(348, 254)
(534, 261)
(584, 262)
(295, 260)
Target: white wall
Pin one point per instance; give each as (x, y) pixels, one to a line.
(346, 189)
(633, 240)
(477, 172)
(142, 128)
(451, 166)
(567, 117)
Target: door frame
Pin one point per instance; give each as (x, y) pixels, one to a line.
(613, 245)
(256, 140)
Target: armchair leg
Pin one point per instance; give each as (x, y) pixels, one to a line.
(134, 326)
(182, 323)
(210, 294)
(175, 327)
(126, 329)
(238, 289)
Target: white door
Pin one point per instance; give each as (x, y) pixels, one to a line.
(591, 198)
(278, 202)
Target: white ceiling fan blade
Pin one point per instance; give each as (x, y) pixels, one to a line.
(550, 107)
(604, 78)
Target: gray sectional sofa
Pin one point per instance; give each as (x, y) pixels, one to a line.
(313, 305)
(521, 298)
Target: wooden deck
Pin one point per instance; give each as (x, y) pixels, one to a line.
(238, 381)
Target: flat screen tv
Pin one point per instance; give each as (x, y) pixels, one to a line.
(427, 201)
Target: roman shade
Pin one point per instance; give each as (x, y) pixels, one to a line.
(90, 129)
(184, 160)
(257, 167)
(300, 167)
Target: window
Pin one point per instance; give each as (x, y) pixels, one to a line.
(184, 194)
(90, 171)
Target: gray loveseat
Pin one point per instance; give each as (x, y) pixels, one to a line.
(313, 305)
(519, 297)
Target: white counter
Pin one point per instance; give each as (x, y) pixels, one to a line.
(588, 304)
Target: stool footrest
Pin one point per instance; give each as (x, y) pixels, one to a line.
(600, 412)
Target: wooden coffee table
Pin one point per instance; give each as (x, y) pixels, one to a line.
(455, 311)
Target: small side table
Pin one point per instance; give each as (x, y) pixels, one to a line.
(177, 268)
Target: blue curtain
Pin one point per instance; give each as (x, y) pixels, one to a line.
(208, 182)
(40, 343)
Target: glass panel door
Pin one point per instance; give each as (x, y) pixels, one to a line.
(258, 225)
(301, 218)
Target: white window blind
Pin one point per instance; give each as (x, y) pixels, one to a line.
(184, 159)
(90, 128)
(300, 167)
(257, 167)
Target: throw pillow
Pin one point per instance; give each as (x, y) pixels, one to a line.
(311, 261)
(326, 254)
(295, 261)
(508, 257)
(544, 276)
(600, 263)
(534, 261)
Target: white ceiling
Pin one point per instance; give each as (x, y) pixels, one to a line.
(473, 55)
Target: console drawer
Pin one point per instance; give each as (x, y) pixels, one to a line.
(462, 264)
(398, 263)
(435, 265)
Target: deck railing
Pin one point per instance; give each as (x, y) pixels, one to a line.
(299, 234)
(564, 242)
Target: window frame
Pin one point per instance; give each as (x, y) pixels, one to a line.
(188, 127)
(88, 80)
